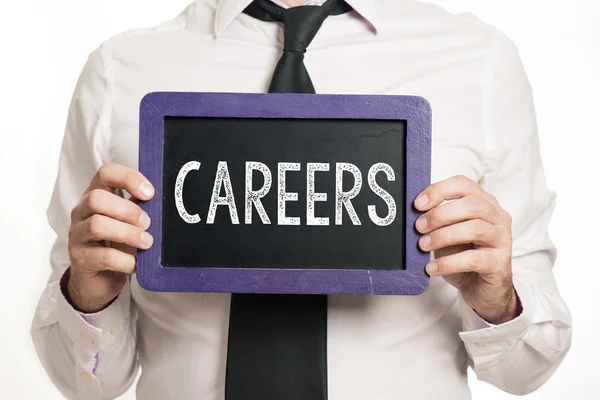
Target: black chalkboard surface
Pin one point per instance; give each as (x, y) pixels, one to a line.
(316, 149)
(284, 193)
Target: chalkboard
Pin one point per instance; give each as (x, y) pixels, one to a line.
(314, 151)
(289, 193)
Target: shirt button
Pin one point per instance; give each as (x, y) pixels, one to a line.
(86, 376)
(87, 338)
(115, 329)
(484, 344)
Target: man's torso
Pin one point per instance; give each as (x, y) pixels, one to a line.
(379, 347)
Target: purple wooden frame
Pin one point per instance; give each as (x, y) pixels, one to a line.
(416, 111)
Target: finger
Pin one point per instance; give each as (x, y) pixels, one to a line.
(124, 248)
(463, 209)
(479, 261)
(452, 188)
(114, 176)
(476, 231)
(107, 258)
(100, 227)
(100, 201)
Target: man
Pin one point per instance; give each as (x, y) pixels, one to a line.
(492, 301)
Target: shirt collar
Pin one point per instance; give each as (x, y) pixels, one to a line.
(228, 10)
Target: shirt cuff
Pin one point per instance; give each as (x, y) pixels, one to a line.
(91, 333)
(482, 338)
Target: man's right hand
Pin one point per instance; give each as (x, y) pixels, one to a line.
(105, 232)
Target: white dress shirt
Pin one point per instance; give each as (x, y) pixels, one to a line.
(379, 347)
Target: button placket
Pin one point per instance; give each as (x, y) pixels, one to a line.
(88, 386)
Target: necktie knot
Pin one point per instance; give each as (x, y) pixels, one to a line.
(301, 25)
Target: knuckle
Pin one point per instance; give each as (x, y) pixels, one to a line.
(508, 219)
(76, 234)
(131, 179)
(94, 199)
(442, 264)
(433, 217)
(440, 237)
(473, 204)
(73, 214)
(432, 189)
(462, 179)
(103, 171)
(107, 259)
(490, 209)
(94, 224)
(136, 214)
(134, 236)
(129, 265)
(71, 236)
(481, 228)
(75, 255)
(493, 198)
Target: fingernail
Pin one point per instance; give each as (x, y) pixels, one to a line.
(425, 242)
(146, 239)
(431, 268)
(146, 189)
(421, 224)
(421, 201)
(144, 221)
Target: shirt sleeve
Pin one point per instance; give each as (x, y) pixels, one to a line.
(87, 356)
(520, 355)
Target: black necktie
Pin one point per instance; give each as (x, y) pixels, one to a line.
(277, 348)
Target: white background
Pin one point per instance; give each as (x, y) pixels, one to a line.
(44, 44)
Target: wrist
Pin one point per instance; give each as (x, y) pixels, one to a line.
(77, 298)
(509, 309)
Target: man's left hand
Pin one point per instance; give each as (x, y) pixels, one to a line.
(472, 238)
